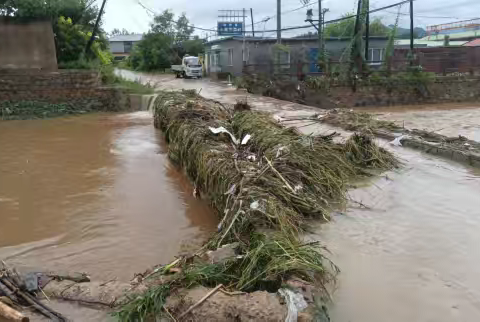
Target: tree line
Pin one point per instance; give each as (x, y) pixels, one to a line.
(167, 41)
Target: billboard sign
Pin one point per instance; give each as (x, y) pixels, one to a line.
(230, 28)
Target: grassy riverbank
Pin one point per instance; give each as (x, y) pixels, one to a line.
(38, 110)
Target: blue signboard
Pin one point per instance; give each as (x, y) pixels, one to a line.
(230, 28)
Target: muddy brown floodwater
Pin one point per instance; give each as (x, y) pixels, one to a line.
(446, 119)
(96, 194)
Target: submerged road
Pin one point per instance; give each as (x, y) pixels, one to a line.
(413, 254)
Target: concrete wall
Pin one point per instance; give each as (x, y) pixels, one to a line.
(117, 47)
(29, 45)
(80, 87)
(442, 60)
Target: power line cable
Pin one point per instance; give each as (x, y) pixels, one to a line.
(171, 20)
(288, 28)
(283, 13)
(430, 17)
(344, 18)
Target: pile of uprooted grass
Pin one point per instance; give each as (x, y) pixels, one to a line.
(264, 181)
(357, 121)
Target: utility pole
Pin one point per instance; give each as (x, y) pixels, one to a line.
(367, 30)
(411, 32)
(253, 25)
(356, 55)
(320, 33)
(90, 42)
(279, 21)
(244, 35)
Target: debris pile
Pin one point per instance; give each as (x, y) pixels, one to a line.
(18, 291)
(456, 148)
(265, 182)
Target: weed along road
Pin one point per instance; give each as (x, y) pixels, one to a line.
(407, 245)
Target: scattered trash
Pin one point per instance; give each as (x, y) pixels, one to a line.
(252, 158)
(254, 205)
(280, 150)
(298, 187)
(223, 130)
(246, 139)
(16, 288)
(295, 303)
(231, 190)
(278, 118)
(398, 140)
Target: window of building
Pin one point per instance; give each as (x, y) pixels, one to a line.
(375, 55)
(230, 57)
(284, 59)
(128, 45)
(216, 59)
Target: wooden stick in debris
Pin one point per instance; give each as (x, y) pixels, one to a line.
(280, 175)
(164, 268)
(9, 314)
(240, 211)
(169, 314)
(34, 302)
(7, 291)
(231, 293)
(203, 299)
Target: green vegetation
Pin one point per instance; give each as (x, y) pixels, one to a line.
(37, 110)
(345, 28)
(135, 87)
(264, 190)
(165, 44)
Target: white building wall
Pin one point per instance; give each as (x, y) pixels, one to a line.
(117, 47)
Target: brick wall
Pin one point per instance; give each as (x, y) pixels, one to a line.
(80, 87)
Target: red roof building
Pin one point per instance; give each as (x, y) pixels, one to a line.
(473, 43)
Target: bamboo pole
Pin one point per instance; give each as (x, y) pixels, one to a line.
(6, 312)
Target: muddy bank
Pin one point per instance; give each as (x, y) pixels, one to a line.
(403, 89)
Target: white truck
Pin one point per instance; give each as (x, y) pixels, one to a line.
(189, 68)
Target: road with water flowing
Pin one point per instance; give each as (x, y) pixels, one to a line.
(97, 193)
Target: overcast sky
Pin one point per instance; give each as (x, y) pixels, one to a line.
(130, 15)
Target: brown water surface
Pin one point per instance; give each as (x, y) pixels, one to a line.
(96, 194)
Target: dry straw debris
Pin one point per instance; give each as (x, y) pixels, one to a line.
(264, 181)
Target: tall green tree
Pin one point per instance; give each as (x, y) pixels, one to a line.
(116, 32)
(346, 27)
(168, 40)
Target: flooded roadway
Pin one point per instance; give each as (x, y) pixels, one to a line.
(447, 119)
(413, 254)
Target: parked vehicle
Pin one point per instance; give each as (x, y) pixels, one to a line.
(189, 68)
